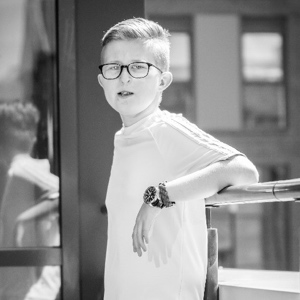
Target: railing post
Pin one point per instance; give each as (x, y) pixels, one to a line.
(211, 287)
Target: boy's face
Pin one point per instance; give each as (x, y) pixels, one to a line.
(133, 98)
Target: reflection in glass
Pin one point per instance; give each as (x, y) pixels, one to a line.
(28, 185)
(29, 206)
(30, 283)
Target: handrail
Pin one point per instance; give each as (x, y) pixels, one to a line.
(273, 191)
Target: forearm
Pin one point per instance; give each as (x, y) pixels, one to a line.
(208, 181)
(38, 210)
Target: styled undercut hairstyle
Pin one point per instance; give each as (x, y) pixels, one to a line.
(152, 34)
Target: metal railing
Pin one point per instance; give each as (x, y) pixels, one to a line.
(273, 191)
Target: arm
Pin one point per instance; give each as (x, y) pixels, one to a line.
(37, 211)
(210, 180)
(198, 185)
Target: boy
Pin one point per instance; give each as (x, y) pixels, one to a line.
(166, 220)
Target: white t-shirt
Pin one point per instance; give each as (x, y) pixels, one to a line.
(162, 146)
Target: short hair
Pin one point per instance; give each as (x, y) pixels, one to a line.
(18, 124)
(151, 33)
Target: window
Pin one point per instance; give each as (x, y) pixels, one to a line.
(263, 92)
(178, 97)
(180, 56)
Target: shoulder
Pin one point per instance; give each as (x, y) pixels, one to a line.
(26, 164)
(167, 121)
(36, 171)
(176, 129)
(176, 125)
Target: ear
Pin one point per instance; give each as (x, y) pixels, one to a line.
(100, 78)
(165, 80)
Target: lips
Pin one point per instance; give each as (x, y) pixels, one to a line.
(125, 94)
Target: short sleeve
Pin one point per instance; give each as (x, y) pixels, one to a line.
(185, 148)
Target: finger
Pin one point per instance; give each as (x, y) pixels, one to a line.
(19, 236)
(140, 237)
(136, 247)
(145, 236)
(139, 250)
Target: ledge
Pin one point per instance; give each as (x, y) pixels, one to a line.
(237, 284)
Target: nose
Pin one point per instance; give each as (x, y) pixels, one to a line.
(125, 76)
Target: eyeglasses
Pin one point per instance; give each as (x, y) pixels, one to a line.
(135, 69)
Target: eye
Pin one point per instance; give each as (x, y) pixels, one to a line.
(113, 67)
(139, 66)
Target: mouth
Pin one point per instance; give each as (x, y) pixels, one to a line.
(125, 94)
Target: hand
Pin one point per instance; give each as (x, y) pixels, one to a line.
(19, 231)
(143, 224)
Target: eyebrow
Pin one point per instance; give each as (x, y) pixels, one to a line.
(120, 63)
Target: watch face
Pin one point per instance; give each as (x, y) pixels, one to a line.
(150, 195)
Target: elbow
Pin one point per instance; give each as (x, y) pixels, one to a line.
(248, 171)
(253, 175)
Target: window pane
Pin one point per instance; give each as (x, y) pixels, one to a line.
(180, 56)
(262, 57)
(264, 104)
(29, 185)
(30, 283)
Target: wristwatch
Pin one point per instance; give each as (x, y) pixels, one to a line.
(152, 198)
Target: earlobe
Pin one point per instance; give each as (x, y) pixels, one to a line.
(99, 77)
(166, 80)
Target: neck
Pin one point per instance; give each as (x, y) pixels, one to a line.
(132, 119)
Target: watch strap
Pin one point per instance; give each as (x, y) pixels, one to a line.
(164, 196)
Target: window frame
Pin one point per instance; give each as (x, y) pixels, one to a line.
(265, 24)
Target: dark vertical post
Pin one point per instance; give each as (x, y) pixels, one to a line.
(211, 287)
(69, 156)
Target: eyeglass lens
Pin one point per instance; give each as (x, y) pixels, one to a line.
(137, 70)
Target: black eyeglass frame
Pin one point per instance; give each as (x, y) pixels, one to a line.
(127, 67)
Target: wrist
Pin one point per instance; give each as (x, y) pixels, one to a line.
(164, 196)
(157, 196)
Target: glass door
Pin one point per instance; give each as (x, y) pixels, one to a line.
(30, 252)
